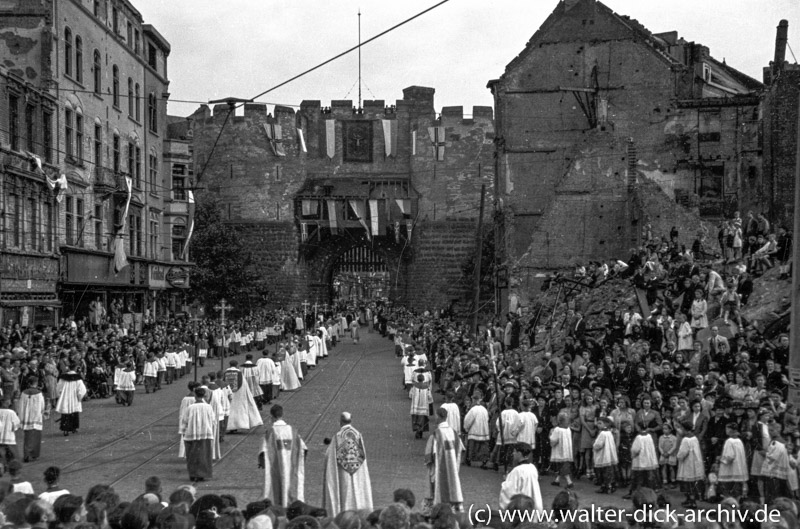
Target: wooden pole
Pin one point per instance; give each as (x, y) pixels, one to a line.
(478, 255)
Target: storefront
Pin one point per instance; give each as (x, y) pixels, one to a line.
(28, 290)
(168, 286)
(90, 276)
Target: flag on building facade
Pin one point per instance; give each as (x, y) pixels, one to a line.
(190, 196)
(275, 135)
(330, 137)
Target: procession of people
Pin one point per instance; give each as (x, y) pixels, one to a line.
(670, 388)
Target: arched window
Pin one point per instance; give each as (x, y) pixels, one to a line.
(115, 85)
(138, 102)
(98, 73)
(67, 51)
(78, 59)
(130, 97)
(152, 112)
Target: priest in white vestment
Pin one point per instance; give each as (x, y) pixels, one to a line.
(523, 479)
(198, 435)
(187, 401)
(31, 415)
(265, 368)
(346, 484)
(282, 457)
(443, 458)
(71, 391)
(244, 412)
(250, 375)
(289, 380)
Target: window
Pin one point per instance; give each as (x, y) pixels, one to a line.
(709, 126)
(135, 234)
(97, 8)
(116, 148)
(47, 135)
(67, 51)
(154, 239)
(115, 20)
(115, 86)
(130, 34)
(138, 102)
(136, 41)
(99, 241)
(16, 221)
(68, 134)
(151, 56)
(33, 224)
(130, 97)
(152, 112)
(13, 121)
(153, 173)
(98, 71)
(129, 148)
(79, 137)
(79, 221)
(79, 59)
(179, 182)
(178, 240)
(69, 221)
(138, 166)
(30, 128)
(98, 147)
(50, 226)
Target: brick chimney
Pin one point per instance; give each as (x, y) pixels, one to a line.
(780, 47)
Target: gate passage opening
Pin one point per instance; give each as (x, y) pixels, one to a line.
(360, 275)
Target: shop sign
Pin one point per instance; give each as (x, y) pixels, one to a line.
(178, 277)
(158, 276)
(96, 269)
(25, 267)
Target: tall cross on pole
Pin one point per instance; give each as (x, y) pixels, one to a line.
(222, 307)
(316, 308)
(305, 304)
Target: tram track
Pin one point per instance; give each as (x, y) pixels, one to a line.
(154, 453)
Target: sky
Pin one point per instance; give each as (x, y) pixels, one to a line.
(241, 48)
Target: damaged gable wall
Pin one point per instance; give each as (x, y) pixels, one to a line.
(596, 104)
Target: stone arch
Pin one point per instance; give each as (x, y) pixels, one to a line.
(322, 264)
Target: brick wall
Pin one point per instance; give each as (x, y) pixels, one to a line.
(435, 277)
(780, 145)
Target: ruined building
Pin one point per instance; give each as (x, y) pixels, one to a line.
(341, 202)
(604, 127)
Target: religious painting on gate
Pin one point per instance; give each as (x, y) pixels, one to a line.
(357, 141)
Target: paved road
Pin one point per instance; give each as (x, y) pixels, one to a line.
(124, 446)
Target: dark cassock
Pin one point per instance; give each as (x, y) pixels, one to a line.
(199, 423)
(284, 464)
(71, 391)
(31, 413)
(443, 458)
(346, 483)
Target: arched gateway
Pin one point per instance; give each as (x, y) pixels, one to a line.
(359, 275)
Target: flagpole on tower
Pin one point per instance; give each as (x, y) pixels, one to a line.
(359, 57)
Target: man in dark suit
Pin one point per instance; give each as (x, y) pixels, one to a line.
(579, 330)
